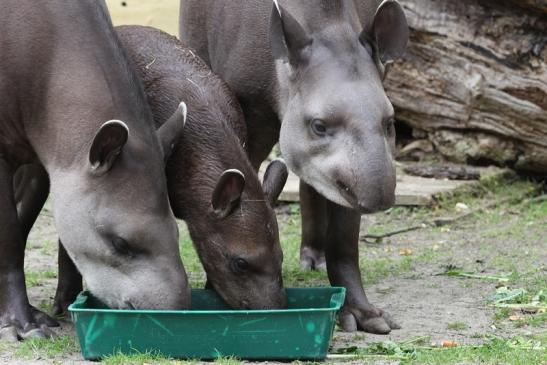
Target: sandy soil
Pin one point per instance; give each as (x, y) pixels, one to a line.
(424, 302)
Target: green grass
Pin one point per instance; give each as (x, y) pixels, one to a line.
(192, 265)
(158, 359)
(39, 348)
(36, 278)
(457, 326)
(495, 350)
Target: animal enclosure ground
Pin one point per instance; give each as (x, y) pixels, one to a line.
(479, 283)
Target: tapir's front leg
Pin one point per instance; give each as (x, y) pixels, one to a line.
(31, 186)
(342, 256)
(18, 319)
(313, 208)
(69, 282)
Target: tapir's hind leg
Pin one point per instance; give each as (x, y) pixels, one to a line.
(313, 208)
(342, 255)
(18, 320)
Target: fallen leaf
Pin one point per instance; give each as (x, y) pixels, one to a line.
(449, 343)
(406, 251)
(515, 318)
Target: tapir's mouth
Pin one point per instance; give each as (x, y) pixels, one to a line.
(348, 194)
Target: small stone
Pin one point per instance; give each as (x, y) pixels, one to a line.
(461, 207)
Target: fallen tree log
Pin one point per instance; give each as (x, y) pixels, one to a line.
(474, 80)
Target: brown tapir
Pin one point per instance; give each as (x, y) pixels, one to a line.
(309, 75)
(211, 183)
(72, 103)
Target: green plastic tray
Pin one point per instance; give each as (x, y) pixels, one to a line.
(210, 329)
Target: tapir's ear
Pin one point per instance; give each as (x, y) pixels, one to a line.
(390, 31)
(171, 130)
(107, 145)
(227, 194)
(287, 38)
(275, 178)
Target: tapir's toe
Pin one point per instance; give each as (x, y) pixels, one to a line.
(347, 321)
(43, 319)
(390, 321)
(311, 259)
(8, 334)
(376, 325)
(371, 321)
(40, 332)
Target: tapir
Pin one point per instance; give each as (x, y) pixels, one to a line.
(211, 183)
(74, 109)
(308, 74)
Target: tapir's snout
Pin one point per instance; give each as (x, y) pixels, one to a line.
(368, 187)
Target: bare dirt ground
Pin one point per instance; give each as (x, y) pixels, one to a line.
(402, 274)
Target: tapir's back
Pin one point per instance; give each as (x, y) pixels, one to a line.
(172, 72)
(233, 37)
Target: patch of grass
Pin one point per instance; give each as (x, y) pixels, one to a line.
(230, 360)
(516, 351)
(36, 278)
(497, 351)
(457, 326)
(138, 358)
(158, 359)
(192, 265)
(40, 348)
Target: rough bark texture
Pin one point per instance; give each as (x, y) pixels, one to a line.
(475, 79)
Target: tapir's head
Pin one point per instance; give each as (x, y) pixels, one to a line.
(237, 238)
(337, 128)
(114, 218)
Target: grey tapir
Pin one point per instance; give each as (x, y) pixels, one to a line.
(309, 75)
(211, 183)
(72, 103)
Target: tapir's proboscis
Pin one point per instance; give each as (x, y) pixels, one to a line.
(73, 108)
(211, 183)
(308, 75)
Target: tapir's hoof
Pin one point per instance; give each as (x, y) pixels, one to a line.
(8, 334)
(380, 325)
(312, 259)
(43, 319)
(60, 308)
(41, 332)
(21, 326)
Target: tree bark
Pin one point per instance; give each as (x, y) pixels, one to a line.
(475, 79)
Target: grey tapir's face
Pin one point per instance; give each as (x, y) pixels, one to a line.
(337, 128)
(114, 219)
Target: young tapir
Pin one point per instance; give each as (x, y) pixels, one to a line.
(72, 103)
(309, 75)
(211, 183)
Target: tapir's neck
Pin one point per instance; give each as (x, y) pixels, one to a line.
(208, 147)
(73, 77)
(282, 89)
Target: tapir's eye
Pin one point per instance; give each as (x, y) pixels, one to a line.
(318, 127)
(239, 265)
(121, 246)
